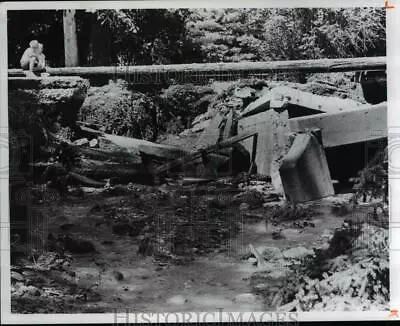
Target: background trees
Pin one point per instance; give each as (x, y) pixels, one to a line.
(162, 36)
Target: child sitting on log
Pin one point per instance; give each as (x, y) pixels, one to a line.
(33, 58)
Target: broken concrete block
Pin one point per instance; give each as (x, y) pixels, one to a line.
(304, 171)
(299, 103)
(348, 127)
(272, 144)
(211, 135)
(259, 105)
(201, 117)
(228, 125)
(200, 126)
(282, 96)
(244, 92)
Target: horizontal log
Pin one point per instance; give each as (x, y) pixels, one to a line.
(347, 127)
(197, 72)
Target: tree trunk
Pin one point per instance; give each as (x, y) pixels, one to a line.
(70, 39)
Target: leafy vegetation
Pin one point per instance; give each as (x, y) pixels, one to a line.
(121, 111)
(162, 36)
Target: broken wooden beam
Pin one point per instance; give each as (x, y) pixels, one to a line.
(161, 151)
(198, 72)
(304, 170)
(199, 153)
(351, 126)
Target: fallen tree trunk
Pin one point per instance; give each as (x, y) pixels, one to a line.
(118, 156)
(197, 72)
(105, 170)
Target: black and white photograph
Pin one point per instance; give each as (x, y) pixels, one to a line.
(166, 160)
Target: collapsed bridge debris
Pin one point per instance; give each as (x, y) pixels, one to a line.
(304, 170)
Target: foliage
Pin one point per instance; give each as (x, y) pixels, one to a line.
(373, 180)
(121, 111)
(288, 34)
(184, 102)
(163, 36)
(356, 278)
(151, 36)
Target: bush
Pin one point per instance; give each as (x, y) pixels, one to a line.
(121, 111)
(182, 103)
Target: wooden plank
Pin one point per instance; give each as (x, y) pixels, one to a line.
(70, 39)
(272, 143)
(304, 170)
(199, 72)
(347, 127)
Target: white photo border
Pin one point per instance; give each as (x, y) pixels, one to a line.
(393, 75)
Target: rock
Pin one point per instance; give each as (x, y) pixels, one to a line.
(280, 274)
(20, 289)
(253, 198)
(270, 253)
(298, 253)
(328, 234)
(177, 300)
(252, 261)
(245, 298)
(81, 142)
(17, 276)
(121, 228)
(66, 226)
(78, 246)
(32, 290)
(94, 143)
(262, 287)
(244, 92)
(277, 234)
(118, 275)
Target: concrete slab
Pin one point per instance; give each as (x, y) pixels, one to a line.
(347, 127)
(272, 145)
(211, 134)
(304, 170)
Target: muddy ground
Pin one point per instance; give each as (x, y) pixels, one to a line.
(172, 248)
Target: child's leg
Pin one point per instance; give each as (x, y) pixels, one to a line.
(32, 63)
